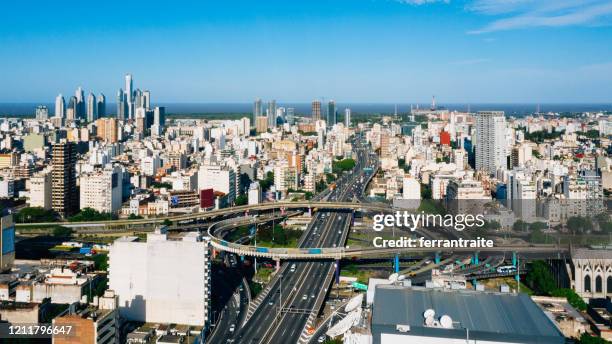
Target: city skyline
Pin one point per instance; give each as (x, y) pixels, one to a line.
(375, 51)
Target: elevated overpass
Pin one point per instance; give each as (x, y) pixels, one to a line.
(317, 253)
(376, 207)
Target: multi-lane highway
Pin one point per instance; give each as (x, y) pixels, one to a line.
(300, 288)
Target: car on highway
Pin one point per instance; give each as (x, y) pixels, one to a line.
(232, 328)
(304, 297)
(292, 267)
(321, 339)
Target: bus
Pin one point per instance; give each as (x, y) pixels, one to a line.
(508, 269)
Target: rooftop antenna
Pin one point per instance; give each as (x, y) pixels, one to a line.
(395, 110)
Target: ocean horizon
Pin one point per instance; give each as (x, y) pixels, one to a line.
(8, 109)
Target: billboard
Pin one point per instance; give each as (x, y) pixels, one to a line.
(8, 240)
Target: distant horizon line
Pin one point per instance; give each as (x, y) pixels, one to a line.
(439, 104)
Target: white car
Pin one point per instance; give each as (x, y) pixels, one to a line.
(304, 297)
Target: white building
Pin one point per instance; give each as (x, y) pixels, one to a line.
(411, 191)
(285, 178)
(218, 178)
(254, 194)
(40, 190)
(490, 141)
(154, 283)
(149, 165)
(102, 189)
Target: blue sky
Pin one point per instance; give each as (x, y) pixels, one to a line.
(349, 50)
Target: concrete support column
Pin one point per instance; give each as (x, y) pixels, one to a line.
(475, 259)
(396, 263)
(514, 260)
(437, 258)
(309, 211)
(277, 264)
(337, 273)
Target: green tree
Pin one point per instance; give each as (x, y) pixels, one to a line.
(588, 339)
(101, 262)
(134, 217)
(579, 224)
(62, 232)
(35, 214)
(539, 278)
(572, 298)
(520, 226)
(89, 214)
(425, 191)
(167, 222)
(241, 200)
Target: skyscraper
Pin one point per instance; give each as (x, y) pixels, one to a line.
(316, 110)
(64, 197)
(146, 99)
(271, 113)
(257, 111)
(490, 141)
(159, 116)
(121, 105)
(79, 109)
(60, 106)
(72, 110)
(101, 105)
(129, 96)
(291, 116)
(347, 117)
(331, 113)
(42, 113)
(92, 108)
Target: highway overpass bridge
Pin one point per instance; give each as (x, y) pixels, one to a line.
(374, 207)
(317, 253)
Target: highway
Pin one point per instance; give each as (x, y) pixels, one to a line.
(300, 288)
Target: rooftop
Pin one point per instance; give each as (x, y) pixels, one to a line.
(488, 316)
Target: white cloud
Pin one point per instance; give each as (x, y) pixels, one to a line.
(543, 13)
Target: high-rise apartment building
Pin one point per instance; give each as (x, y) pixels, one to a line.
(218, 178)
(490, 141)
(261, 124)
(64, 196)
(107, 129)
(102, 189)
(42, 113)
(316, 110)
(40, 190)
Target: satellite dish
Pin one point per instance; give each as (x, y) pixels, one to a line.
(446, 321)
(429, 321)
(430, 313)
(401, 277)
(393, 277)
